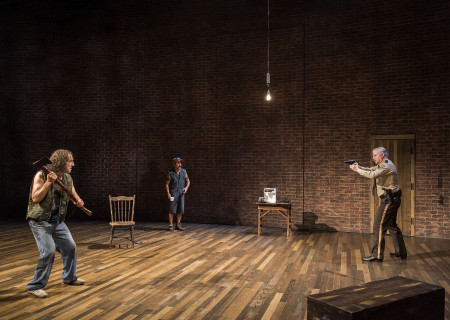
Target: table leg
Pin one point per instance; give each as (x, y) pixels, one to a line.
(288, 222)
(259, 221)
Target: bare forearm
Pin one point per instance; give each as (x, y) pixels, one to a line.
(167, 189)
(79, 202)
(76, 196)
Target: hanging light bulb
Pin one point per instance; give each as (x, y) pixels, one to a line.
(268, 97)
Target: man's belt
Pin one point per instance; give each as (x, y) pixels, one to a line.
(390, 195)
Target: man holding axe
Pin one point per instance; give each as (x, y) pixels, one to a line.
(47, 210)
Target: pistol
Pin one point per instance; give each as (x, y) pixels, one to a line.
(350, 162)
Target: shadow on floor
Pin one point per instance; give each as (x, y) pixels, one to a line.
(310, 225)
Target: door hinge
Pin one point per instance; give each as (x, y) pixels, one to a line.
(413, 221)
(412, 186)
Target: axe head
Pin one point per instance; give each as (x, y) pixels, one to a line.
(42, 162)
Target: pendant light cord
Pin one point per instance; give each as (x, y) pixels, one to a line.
(268, 41)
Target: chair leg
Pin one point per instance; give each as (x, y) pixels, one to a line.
(112, 236)
(132, 235)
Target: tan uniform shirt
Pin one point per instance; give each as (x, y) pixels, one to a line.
(385, 175)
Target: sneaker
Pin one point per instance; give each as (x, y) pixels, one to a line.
(170, 228)
(39, 293)
(179, 227)
(371, 259)
(77, 282)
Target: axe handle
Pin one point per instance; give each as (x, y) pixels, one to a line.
(88, 212)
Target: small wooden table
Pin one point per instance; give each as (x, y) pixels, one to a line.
(282, 208)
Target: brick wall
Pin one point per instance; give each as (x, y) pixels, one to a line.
(128, 85)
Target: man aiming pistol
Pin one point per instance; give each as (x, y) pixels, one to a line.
(385, 175)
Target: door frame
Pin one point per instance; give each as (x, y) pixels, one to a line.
(413, 178)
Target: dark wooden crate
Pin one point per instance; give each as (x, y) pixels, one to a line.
(394, 298)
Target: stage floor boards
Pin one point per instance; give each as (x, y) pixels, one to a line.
(204, 272)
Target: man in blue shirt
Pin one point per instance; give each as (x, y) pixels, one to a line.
(177, 184)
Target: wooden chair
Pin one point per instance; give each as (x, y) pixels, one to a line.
(122, 215)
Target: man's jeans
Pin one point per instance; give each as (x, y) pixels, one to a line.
(50, 237)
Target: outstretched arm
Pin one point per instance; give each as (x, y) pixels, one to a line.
(371, 173)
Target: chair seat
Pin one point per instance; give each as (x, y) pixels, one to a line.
(124, 223)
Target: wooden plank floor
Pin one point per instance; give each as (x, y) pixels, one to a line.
(204, 272)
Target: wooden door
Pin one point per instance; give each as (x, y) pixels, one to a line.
(401, 150)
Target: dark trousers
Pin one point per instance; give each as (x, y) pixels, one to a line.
(386, 219)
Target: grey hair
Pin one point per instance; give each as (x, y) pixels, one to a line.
(382, 149)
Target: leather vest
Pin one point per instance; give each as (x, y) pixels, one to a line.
(42, 210)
